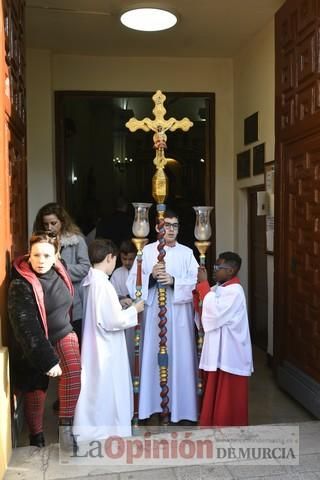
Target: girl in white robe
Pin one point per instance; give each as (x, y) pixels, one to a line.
(105, 404)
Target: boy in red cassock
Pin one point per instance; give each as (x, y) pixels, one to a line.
(226, 355)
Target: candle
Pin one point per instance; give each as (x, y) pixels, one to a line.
(202, 229)
(140, 227)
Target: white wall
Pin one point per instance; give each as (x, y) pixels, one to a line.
(41, 180)
(254, 91)
(66, 72)
(242, 87)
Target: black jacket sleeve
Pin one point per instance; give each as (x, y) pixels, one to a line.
(29, 333)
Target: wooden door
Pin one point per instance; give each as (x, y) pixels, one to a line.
(13, 175)
(258, 288)
(13, 183)
(302, 339)
(297, 241)
(5, 241)
(15, 119)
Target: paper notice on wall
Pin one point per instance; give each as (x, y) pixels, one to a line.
(269, 179)
(271, 204)
(261, 203)
(269, 233)
(269, 185)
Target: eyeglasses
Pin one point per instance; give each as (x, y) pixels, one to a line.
(216, 268)
(174, 226)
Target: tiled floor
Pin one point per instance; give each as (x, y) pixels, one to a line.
(31, 463)
(267, 403)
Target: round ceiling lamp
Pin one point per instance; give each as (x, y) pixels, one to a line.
(148, 19)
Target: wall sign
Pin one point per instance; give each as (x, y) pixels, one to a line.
(258, 159)
(243, 164)
(269, 172)
(251, 133)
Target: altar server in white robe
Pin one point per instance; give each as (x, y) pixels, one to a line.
(226, 354)
(179, 274)
(105, 403)
(118, 279)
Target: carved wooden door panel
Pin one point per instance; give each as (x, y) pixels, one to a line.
(13, 178)
(15, 117)
(297, 247)
(13, 174)
(302, 326)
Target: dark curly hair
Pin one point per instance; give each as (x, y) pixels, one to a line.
(53, 208)
(232, 259)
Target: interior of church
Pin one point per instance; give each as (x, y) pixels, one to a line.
(105, 161)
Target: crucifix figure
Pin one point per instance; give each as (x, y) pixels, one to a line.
(159, 125)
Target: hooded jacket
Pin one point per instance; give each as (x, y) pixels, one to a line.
(31, 353)
(74, 252)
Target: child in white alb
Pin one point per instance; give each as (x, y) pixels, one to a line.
(105, 404)
(226, 354)
(118, 279)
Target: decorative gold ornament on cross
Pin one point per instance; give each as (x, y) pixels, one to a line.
(159, 125)
(159, 192)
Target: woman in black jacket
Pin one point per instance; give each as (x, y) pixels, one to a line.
(53, 218)
(45, 345)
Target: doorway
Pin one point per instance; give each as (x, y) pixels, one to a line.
(99, 160)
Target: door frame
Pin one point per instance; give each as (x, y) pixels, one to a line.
(209, 185)
(252, 190)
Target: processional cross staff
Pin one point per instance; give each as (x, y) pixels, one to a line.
(159, 192)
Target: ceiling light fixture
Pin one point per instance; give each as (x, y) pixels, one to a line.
(148, 19)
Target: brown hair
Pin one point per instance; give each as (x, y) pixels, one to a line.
(100, 248)
(127, 246)
(53, 208)
(44, 237)
(170, 214)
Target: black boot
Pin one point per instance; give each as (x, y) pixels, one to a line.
(66, 438)
(37, 440)
(56, 405)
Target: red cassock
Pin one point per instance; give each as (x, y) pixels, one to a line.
(226, 359)
(225, 400)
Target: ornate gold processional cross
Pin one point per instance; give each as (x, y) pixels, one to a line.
(159, 192)
(159, 125)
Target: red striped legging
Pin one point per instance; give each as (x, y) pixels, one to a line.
(67, 350)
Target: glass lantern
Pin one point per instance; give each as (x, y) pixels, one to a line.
(141, 227)
(202, 229)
